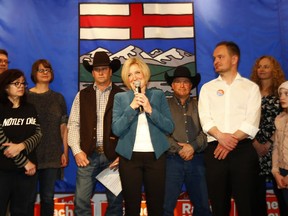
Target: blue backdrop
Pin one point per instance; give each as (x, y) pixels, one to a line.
(34, 29)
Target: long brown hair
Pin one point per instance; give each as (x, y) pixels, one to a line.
(277, 73)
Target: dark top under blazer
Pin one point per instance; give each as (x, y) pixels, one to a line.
(125, 119)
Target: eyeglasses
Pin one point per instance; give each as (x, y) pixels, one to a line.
(101, 69)
(18, 84)
(46, 70)
(4, 61)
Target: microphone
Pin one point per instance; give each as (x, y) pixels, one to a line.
(137, 85)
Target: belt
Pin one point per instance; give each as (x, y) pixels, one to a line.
(99, 149)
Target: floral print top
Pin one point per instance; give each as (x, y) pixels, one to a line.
(270, 108)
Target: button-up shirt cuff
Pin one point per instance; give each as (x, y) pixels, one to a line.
(195, 146)
(207, 126)
(249, 129)
(76, 149)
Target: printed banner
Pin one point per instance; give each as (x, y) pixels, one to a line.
(64, 206)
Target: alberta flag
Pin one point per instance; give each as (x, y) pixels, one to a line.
(162, 34)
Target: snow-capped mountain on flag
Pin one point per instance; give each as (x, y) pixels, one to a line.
(158, 61)
(170, 58)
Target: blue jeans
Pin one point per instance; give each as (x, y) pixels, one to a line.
(47, 178)
(192, 173)
(85, 184)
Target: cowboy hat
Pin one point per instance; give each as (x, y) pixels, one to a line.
(102, 59)
(182, 71)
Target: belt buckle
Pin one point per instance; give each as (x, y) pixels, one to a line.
(100, 149)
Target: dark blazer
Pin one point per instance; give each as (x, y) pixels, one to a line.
(125, 119)
(88, 122)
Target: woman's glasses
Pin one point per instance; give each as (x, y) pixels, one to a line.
(46, 70)
(18, 84)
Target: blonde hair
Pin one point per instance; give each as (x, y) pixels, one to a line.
(278, 75)
(283, 85)
(126, 68)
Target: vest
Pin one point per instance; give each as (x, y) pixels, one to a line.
(88, 122)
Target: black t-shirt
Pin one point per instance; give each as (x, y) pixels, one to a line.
(18, 124)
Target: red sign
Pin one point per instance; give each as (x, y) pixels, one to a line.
(64, 207)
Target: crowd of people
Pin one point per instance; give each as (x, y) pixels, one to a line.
(228, 143)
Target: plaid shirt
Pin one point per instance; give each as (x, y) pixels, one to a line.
(74, 119)
(101, 102)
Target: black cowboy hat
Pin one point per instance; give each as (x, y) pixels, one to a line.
(182, 71)
(102, 59)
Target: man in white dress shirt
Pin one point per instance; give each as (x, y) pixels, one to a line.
(229, 110)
